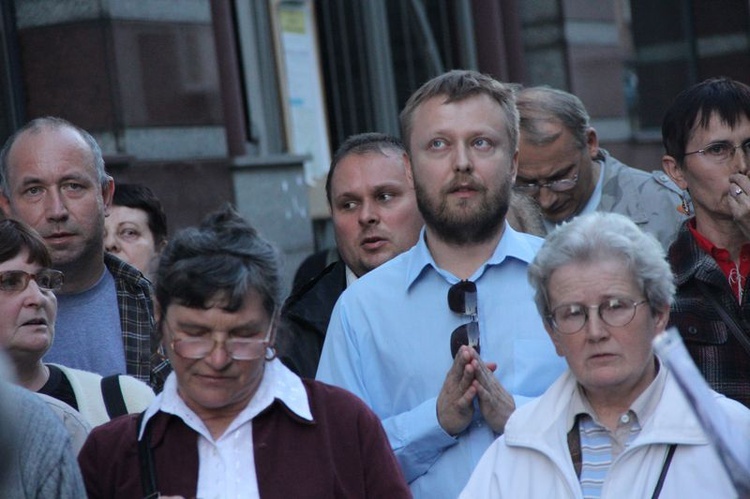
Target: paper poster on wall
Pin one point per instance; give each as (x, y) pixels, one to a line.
(306, 120)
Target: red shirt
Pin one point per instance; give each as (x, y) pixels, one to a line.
(736, 273)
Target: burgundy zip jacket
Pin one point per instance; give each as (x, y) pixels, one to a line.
(343, 452)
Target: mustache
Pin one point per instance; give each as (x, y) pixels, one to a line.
(54, 229)
(463, 181)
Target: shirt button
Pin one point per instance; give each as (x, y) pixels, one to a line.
(625, 418)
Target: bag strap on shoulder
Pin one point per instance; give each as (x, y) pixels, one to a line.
(146, 461)
(730, 321)
(112, 395)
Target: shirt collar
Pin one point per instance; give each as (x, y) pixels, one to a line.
(718, 254)
(278, 383)
(512, 245)
(736, 273)
(350, 276)
(596, 197)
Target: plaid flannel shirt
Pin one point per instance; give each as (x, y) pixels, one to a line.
(719, 356)
(144, 359)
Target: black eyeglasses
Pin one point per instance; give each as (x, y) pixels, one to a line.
(17, 280)
(571, 317)
(462, 299)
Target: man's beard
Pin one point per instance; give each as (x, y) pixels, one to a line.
(460, 226)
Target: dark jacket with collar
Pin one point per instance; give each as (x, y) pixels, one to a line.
(342, 453)
(718, 354)
(306, 314)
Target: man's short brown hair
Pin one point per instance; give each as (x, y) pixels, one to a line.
(458, 85)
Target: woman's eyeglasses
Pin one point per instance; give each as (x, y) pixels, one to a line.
(462, 299)
(721, 152)
(571, 317)
(237, 348)
(15, 281)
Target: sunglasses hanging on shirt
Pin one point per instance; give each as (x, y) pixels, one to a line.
(462, 299)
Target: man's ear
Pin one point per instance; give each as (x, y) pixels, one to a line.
(5, 206)
(672, 168)
(592, 143)
(408, 169)
(108, 192)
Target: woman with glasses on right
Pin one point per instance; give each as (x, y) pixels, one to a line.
(706, 135)
(616, 423)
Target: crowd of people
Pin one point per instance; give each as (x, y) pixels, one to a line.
(483, 327)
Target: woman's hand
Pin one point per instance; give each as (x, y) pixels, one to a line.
(739, 201)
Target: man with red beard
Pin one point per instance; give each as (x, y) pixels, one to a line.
(52, 177)
(407, 337)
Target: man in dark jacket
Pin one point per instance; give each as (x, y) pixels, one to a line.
(375, 217)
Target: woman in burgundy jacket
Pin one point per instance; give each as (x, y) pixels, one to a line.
(232, 421)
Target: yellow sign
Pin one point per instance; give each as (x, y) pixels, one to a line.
(292, 21)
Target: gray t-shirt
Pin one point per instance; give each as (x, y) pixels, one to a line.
(88, 335)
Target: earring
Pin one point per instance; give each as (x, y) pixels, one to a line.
(685, 208)
(272, 349)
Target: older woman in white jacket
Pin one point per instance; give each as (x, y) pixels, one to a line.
(615, 424)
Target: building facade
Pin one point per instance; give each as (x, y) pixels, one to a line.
(242, 101)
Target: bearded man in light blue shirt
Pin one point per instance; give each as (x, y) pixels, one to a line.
(407, 337)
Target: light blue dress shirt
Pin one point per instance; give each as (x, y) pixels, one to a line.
(388, 342)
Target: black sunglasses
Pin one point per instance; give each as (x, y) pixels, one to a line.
(462, 299)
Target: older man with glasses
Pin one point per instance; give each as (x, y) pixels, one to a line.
(561, 165)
